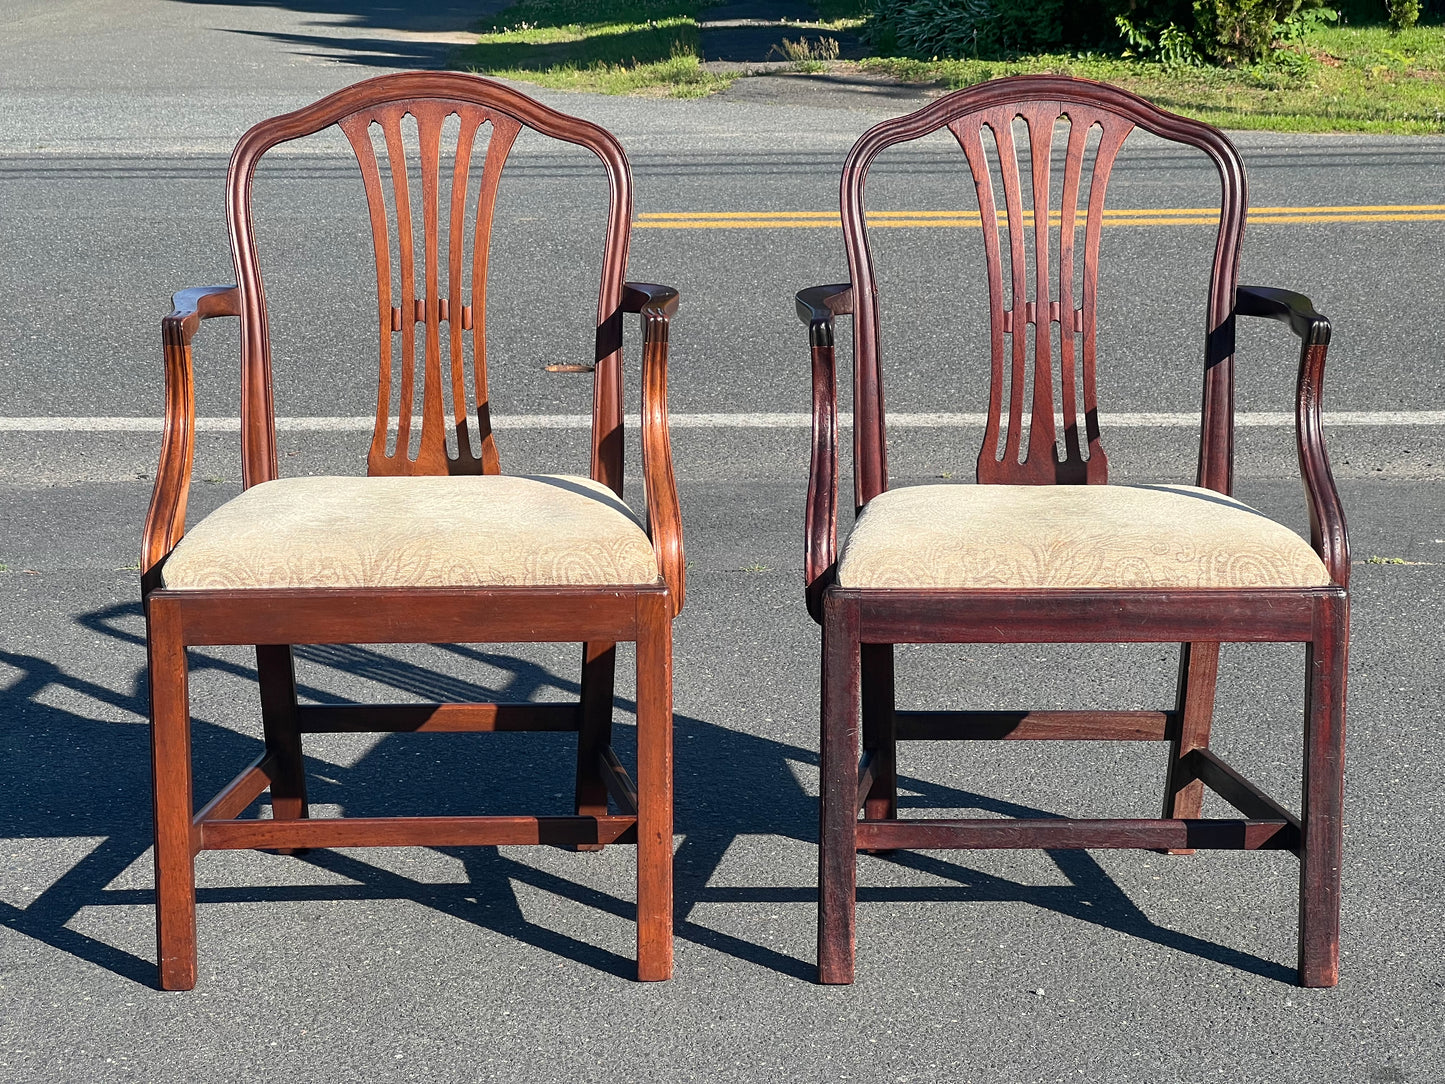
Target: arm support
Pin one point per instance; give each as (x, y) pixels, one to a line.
(656, 304)
(166, 519)
(817, 307)
(1327, 516)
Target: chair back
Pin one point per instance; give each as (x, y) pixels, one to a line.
(424, 322)
(1057, 311)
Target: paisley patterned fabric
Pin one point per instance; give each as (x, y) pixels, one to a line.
(471, 531)
(1126, 536)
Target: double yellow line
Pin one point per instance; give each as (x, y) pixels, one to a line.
(1188, 216)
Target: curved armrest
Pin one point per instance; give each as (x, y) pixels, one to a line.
(1327, 515)
(649, 299)
(664, 516)
(817, 307)
(166, 519)
(1286, 306)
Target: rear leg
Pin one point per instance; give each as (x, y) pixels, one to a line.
(276, 671)
(1198, 674)
(594, 731)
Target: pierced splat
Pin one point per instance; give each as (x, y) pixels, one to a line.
(458, 302)
(1015, 316)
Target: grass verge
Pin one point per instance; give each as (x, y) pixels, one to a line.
(602, 46)
(1339, 79)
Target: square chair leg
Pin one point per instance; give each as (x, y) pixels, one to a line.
(654, 791)
(276, 675)
(880, 738)
(1323, 796)
(838, 789)
(1198, 676)
(171, 782)
(594, 731)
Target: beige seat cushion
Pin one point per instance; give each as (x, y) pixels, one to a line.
(1144, 536)
(470, 531)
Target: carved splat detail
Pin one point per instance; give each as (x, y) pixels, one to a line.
(416, 113)
(401, 311)
(1014, 313)
(1041, 103)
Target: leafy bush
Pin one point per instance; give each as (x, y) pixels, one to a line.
(1172, 32)
(1403, 14)
(1242, 31)
(1169, 44)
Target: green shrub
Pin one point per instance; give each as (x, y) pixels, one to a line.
(1172, 32)
(1169, 44)
(1403, 14)
(1235, 32)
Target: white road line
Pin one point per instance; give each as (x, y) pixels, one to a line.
(1339, 418)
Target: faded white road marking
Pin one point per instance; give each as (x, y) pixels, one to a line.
(1338, 418)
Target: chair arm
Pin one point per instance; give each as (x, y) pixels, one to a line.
(1286, 306)
(166, 518)
(1327, 516)
(664, 517)
(649, 298)
(817, 307)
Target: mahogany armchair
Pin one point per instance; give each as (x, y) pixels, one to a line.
(1042, 550)
(435, 547)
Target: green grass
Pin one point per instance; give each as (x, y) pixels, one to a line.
(1339, 79)
(603, 46)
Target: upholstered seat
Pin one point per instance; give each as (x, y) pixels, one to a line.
(1124, 536)
(460, 531)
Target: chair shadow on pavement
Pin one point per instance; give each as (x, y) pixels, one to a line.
(90, 778)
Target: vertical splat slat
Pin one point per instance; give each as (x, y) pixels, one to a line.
(1111, 139)
(471, 119)
(1040, 125)
(504, 133)
(357, 129)
(390, 121)
(970, 139)
(1001, 123)
(1068, 227)
(432, 455)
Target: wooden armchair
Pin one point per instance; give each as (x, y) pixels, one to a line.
(435, 547)
(1042, 550)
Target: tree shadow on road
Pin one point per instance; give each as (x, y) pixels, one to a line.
(371, 33)
(90, 778)
(435, 16)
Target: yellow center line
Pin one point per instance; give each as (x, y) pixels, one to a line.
(1177, 216)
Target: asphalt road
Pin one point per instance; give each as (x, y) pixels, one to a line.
(512, 964)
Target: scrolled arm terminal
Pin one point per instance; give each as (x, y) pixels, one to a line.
(1286, 306)
(817, 307)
